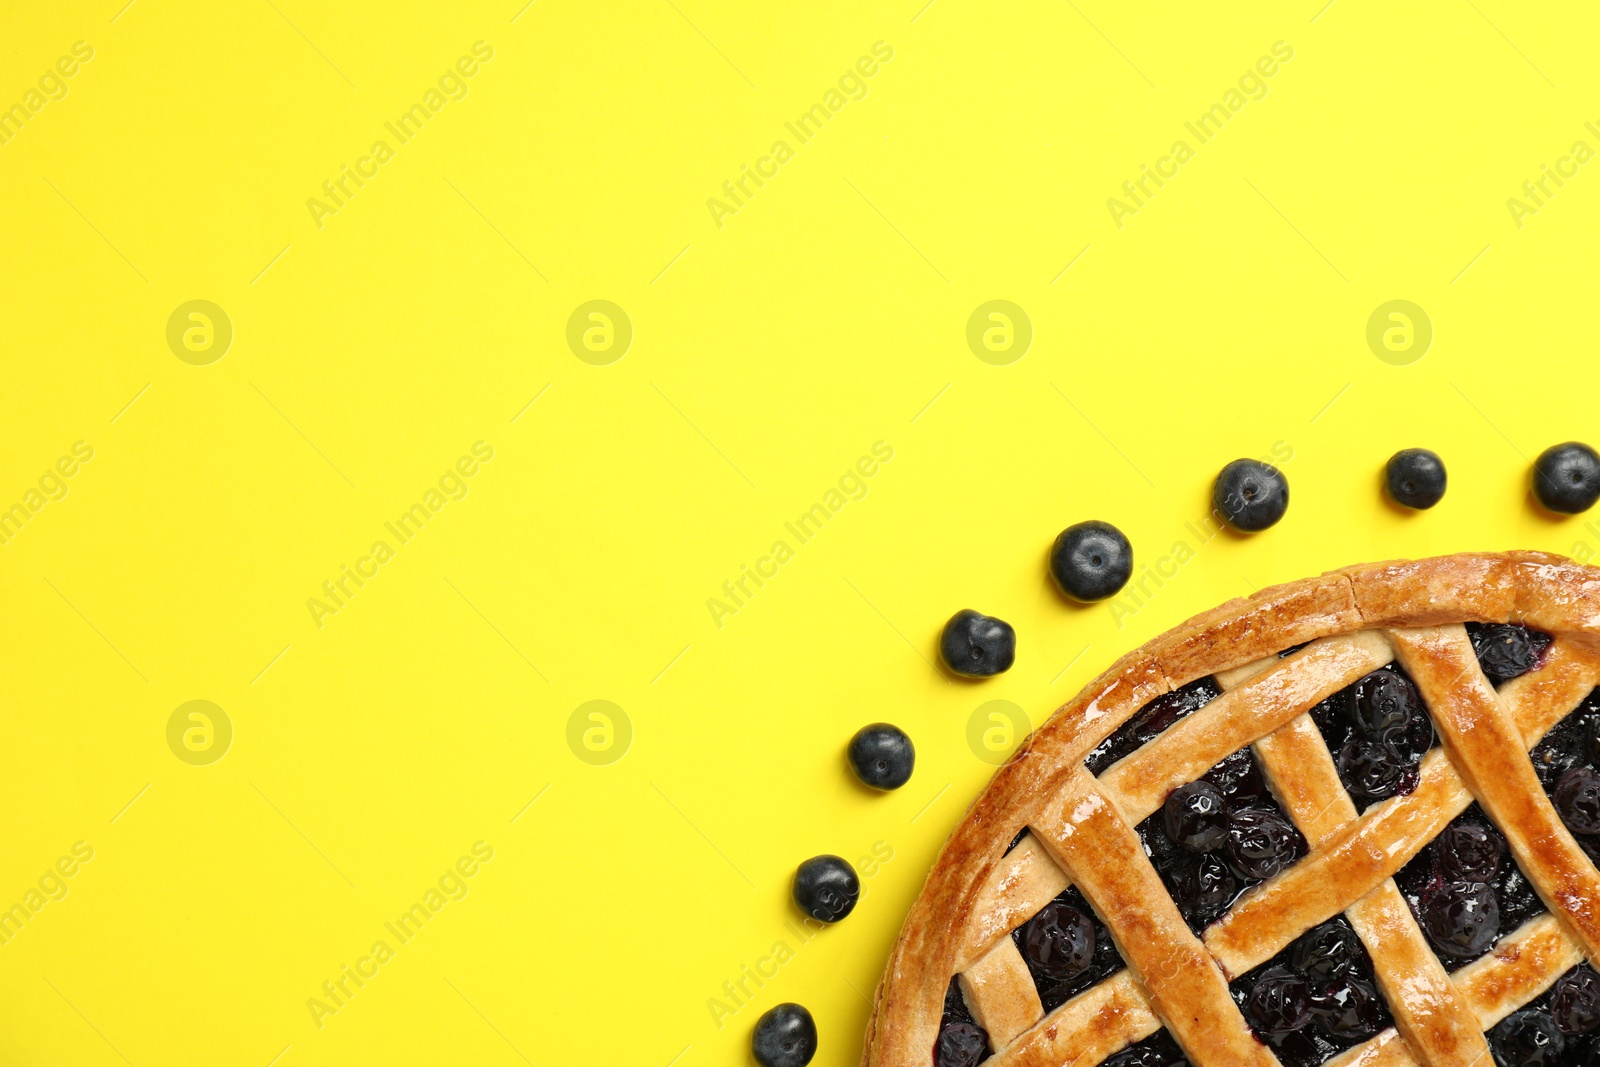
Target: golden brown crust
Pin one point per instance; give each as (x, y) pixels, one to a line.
(1543, 591)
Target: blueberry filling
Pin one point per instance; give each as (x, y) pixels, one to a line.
(1567, 761)
(1316, 998)
(1466, 890)
(1561, 1026)
(1015, 841)
(961, 1042)
(1506, 650)
(1378, 731)
(1067, 949)
(1216, 837)
(1149, 721)
(1157, 1050)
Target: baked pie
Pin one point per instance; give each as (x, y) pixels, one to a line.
(1350, 820)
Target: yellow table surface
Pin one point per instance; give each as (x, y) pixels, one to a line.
(385, 326)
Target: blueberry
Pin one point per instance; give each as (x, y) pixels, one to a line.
(1469, 852)
(1157, 1050)
(826, 888)
(1238, 778)
(882, 756)
(1195, 816)
(1091, 560)
(1261, 843)
(1280, 1003)
(1575, 1001)
(1384, 704)
(1371, 770)
(786, 1036)
(1203, 887)
(1461, 919)
(1578, 801)
(1250, 495)
(1566, 478)
(1327, 952)
(1528, 1039)
(1415, 478)
(1506, 650)
(977, 646)
(960, 1044)
(1059, 941)
(1349, 1008)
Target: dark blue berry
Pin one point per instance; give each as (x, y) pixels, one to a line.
(1203, 887)
(1196, 817)
(1415, 478)
(1371, 770)
(1385, 704)
(1506, 650)
(1461, 919)
(1238, 778)
(785, 1036)
(960, 1044)
(1575, 1001)
(1349, 1008)
(826, 888)
(1059, 941)
(1261, 843)
(1566, 478)
(1157, 1050)
(1327, 952)
(1469, 852)
(1280, 1003)
(1250, 495)
(882, 756)
(1528, 1039)
(977, 646)
(1578, 801)
(1091, 560)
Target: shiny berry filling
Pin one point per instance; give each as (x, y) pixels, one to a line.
(1067, 949)
(1149, 721)
(961, 1042)
(1561, 1026)
(1157, 1050)
(1506, 650)
(1567, 761)
(1466, 890)
(1217, 837)
(1316, 998)
(1378, 730)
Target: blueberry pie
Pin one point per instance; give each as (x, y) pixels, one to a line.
(1353, 820)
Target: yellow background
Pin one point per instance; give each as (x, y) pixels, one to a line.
(768, 354)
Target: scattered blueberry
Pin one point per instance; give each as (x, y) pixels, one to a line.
(1261, 843)
(1279, 1003)
(1059, 942)
(1575, 1001)
(1250, 495)
(977, 646)
(1506, 650)
(1461, 919)
(882, 756)
(826, 888)
(1415, 478)
(1566, 478)
(1196, 816)
(1528, 1039)
(1091, 560)
(786, 1036)
(1578, 801)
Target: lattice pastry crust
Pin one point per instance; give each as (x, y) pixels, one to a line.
(1081, 828)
